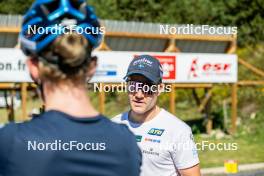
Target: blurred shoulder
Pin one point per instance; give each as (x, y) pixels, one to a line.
(7, 130)
(120, 117)
(118, 126)
(7, 135)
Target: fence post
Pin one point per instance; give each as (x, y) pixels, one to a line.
(172, 99)
(24, 100)
(234, 107)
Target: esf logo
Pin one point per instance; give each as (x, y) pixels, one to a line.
(156, 132)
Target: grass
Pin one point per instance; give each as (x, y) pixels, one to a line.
(249, 139)
(249, 151)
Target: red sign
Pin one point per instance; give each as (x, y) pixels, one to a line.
(168, 64)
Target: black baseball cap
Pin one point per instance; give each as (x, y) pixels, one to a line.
(147, 66)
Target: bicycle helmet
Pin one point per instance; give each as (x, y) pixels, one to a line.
(52, 18)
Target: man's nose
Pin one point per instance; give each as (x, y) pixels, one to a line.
(139, 94)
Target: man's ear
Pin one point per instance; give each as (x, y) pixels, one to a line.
(92, 68)
(33, 68)
(161, 88)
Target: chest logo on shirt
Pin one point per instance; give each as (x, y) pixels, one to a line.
(138, 138)
(150, 152)
(152, 140)
(156, 131)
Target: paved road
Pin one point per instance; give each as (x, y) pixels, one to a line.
(250, 173)
(256, 169)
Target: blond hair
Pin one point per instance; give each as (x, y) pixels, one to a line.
(66, 59)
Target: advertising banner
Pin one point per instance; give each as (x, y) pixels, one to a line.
(112, 66)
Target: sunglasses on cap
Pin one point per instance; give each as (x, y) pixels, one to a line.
(146, 87)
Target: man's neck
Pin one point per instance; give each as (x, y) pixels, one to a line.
(147, 116)
(70, 100)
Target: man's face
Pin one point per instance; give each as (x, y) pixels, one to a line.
(140, 100)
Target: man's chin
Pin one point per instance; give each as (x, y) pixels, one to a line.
(138, 110)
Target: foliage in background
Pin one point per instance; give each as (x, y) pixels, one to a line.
(247, 15)
(14, 6)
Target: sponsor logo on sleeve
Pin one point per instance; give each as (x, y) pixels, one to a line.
(194, 152)
(191, 137)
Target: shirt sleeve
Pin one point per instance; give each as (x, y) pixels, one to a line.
(116, 119)
(184, 153)
(119, 118)
(6, 140)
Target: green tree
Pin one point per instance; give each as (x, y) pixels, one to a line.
(14, 6)
(247, 15)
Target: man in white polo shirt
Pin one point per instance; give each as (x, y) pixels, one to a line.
(166, 142)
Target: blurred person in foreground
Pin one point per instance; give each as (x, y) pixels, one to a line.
(166, 142)
(70, 137)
